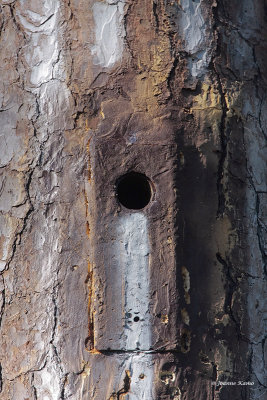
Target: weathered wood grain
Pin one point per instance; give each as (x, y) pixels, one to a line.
(89, 91)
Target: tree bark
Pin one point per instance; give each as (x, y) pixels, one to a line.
(165, 301)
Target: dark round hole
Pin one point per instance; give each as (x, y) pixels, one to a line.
(136, 319)
(134, 190)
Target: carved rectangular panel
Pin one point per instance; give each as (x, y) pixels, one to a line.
(134, 297)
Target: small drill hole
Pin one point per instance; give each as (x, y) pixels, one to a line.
(136, 319)
(134, 190)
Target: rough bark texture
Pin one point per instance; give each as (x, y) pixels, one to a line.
(91, 90)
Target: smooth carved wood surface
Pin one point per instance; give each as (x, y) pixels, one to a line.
(134, 250)
(89, 91)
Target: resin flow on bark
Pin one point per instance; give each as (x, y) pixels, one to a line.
(98, 99)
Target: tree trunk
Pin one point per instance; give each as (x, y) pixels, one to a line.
(110, 296)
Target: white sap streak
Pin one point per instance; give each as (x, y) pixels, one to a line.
(42, 31)
(109, 32)
(133, 266)
(141, 372)
(193, 30)
(40, 22)
(46, 381)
